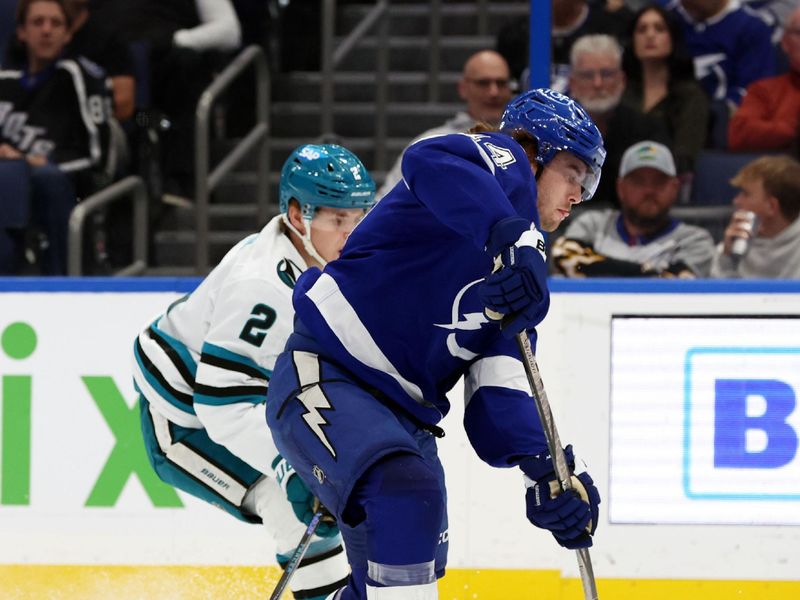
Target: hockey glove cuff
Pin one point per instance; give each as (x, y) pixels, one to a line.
(516, 291)
(570, 516)
(304, 503)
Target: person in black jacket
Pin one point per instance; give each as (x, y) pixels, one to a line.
(53, 131)
(598, 83)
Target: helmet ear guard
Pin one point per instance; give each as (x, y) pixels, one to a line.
(559, 124)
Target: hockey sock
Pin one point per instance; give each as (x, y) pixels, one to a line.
(400, 500)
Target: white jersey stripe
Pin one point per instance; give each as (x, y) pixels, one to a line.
(80, 89)
(495, 371)
(353, 335)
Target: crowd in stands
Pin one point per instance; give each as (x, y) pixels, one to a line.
(74, 74)
(672, 80)
(676, 78)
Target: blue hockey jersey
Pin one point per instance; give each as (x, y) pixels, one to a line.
(400, 308)
(730, 50)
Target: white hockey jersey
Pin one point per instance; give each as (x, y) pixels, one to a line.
(206, 362)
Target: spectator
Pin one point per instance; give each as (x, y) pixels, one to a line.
(598, 83)
(184, 39)
(730, 44)
(661, 82)
(772, 11)
(572, 19)
(485, 88)
(100, 41)
(769, 116)
(641, 239)
(769, 187)
(53, 125)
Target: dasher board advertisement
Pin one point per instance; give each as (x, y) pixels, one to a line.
(704, 420)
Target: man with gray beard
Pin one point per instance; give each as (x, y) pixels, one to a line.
(597, 83)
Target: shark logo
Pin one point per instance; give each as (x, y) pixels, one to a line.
(288, 272)
(312, 396)
(470, 322)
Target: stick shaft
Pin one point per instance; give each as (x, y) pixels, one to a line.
(294, 561)
(556, 452)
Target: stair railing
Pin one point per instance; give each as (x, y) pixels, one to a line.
(131, 185)
(257, 138)
(332, 57)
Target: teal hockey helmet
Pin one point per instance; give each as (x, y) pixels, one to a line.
(325, 175)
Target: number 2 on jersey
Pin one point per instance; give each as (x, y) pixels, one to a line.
(255, 330)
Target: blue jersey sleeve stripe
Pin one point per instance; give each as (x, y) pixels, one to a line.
(232, 365)
(159, 383)
(177, 351)
(243, 364)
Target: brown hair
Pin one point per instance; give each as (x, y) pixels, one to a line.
(522, 137)
(780, 176)
(24, 6)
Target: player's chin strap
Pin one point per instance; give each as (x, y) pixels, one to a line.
(305, 239)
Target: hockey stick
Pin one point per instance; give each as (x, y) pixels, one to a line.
(298, 555)
(556, 452)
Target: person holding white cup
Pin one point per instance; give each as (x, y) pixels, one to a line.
(762, 239)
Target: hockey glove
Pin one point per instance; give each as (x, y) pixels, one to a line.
(570, 516)
(304, 503)
(517, 292)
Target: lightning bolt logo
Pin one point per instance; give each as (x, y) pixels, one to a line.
(470, 322)
(312, 397)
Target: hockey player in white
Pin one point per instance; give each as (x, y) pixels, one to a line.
(203, 367)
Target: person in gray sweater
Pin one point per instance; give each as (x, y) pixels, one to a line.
(640, 239)
(769, 190)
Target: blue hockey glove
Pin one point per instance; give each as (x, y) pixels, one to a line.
(304, 503)
(517, 292)
(570, 516)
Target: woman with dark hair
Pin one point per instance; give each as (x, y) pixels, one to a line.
(661, 82)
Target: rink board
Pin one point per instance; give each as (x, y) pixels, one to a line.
(73, 489)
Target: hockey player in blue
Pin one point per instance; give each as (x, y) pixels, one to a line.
(386, 330)
(202, 368)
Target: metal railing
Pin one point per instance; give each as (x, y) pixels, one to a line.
(378, 16)
(331, 58)
(132, 184)
(207, 180)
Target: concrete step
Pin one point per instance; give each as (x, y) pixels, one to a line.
(176, 248)
(413, 53)
(458, 18)
(281, 147)
(354, 86)
(357, 119)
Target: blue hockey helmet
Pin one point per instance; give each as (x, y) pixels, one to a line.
(559, 124)
(325, 175)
